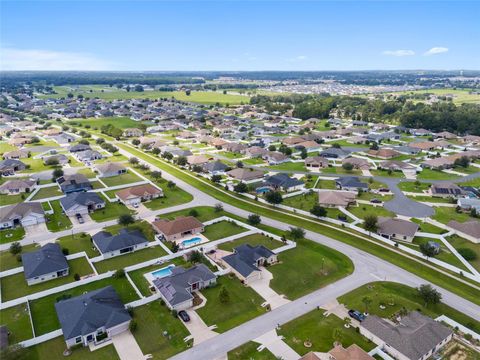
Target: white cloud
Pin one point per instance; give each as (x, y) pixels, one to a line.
(298, 58)
(436, 50)
(36, 59)
(399, 53)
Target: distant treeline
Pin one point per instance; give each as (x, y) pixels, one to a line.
(463, 119)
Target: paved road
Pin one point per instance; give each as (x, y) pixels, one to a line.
(367, 268)
(403, 205)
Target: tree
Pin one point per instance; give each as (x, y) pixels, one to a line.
(239, 164)
(429, 294)
(254, 219)
(181, 161)
(428, 250)
(218, 207)
(296, 233)
(138, 88)
(224, 295)
(216, 178)
(195, 257)
(193, 213)
(56, 174)
(15, 248)
(133, 161)
(136, 142)
(156, 175)
(337, 335)
(366, 301)
(53, 161)
(468, 254)
(126, 219)
(374, 146)
(303, 153)
(241, 187)
(347, 166)
(120, 273)
(171, 185)
(370, 223)
(463, 161)
(272, 148)
(318, 210)
(274, 197)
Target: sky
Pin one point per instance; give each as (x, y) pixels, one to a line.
(239, 35)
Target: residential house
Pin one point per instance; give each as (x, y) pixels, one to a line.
(88, 156)
(396, 165)
(132, 132)
(24, 214)
(44, 264)
(19, 141)
(134, 195)
(350, 183)
(383, 153)
(14, 187)
(246, 261)
(357, 163)
(469, 230)
(178, 228)
(396, 229)
(61, 159)
(122, 243)
(245, 174)
(275, 157)
(11, 166)
(280, 182)
(294, 140)
(255, 151)
(308, 145)
(177, 288)
(16, 154)
(446, 189)
(196, 160)
(332, 198)
(93, 317)
(466, 204)
(353, 352)
(316, 162)
(81, 203)
(64, 139)
(110, 169)
(215, 167)
(334, 153)
(79, 147)
(445, 135)
(74, 183)
(414, 337)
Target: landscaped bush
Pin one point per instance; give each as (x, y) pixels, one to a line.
(467, 254)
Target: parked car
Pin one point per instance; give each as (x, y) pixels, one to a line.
(357, 315)
(384, 190)
(376, 201)
(184, 316)
(80, 218)
(135, 205)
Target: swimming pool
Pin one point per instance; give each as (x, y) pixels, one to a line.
(161, 273)
(191, 242)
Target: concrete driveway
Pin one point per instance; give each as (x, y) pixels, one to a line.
(198, 329)
(127, 347)
(262, 287)
(36, 229)
(277, 346)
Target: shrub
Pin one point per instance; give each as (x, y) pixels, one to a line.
(76, 277)
(468, 254)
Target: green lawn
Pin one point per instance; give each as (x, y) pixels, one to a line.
(153, 320)
(384, 173)
(97, 185)
(340, 170)
(461, 243)
(428, 174)
(430, 199)
(444, 214)
(254, 161)
(171, 197)
(429, 228)
(53, 350)
(87, 172)
(222, 229)
(249, 351)
(363, 210)
(9, 261)
(403, 296)
(230, 155)
(474, 182)
(114, 158)
(15, 286)
(47, 192)
(326, 184)
(57, 221)
(306, 268)
(126, 178)
(244, 304)
(304, 201)
(111, 211)
(6, 147)
(17, 320)
(36, 165)
(367, 195)
(320, 331)
(77, 243)
(254, 240)
(444, 255)
(122, 261)
(12, 199)
(204, 213)
(43, 309)
(119, 122)
(292, 166)
(11, 235)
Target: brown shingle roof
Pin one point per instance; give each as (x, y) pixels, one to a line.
(137, 191)
(179, 225)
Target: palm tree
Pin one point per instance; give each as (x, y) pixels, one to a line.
(337, 336)
(366, 301)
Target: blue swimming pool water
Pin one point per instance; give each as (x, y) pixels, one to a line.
(161, 273)
(192, 241)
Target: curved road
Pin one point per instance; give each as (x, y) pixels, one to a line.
(368, 268)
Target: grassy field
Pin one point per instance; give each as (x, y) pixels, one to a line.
(460, 96)
(17, 320)
(15, 286)
(254, 240)
(249, 351)
(461, 243)
(222, 229)
(78, 242)
(144, 226)
(244, 304)
(372, 247)
(123, 179)
(171, 197)
(53, 350)
(12, 199)
(57, 221)
(385, 173)
(11, 235)
(291, 166)
(306, 268)
(110, 212)
(402, 296)
(426, 227)
(444, 214)
(363, 210)
(429, 174)
(47, 192)
(320, 331)
(202, 97)
(340, 170)
(444, 255)
(325, 184)
(153, 320)
(137, 257)
(9, 261)
(43, 309)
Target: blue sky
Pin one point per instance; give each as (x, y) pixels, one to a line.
(239, 35)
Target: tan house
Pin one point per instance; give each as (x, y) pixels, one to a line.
(110, 169)
(384, 153)
(180, 227)
(13, 187)
(316, 162)
(135, 195)
(331, 198)
(197, 159)
(245, 174)
(357, 163)
(132, 132)
(396, 229)
(19, 141)
(16, 154)
(470, 230)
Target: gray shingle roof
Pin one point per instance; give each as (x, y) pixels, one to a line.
(106, 242)
(245, 258)
(414, 336)
(43, 261)
(81, 198)
(282, 180)
(86, 313)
